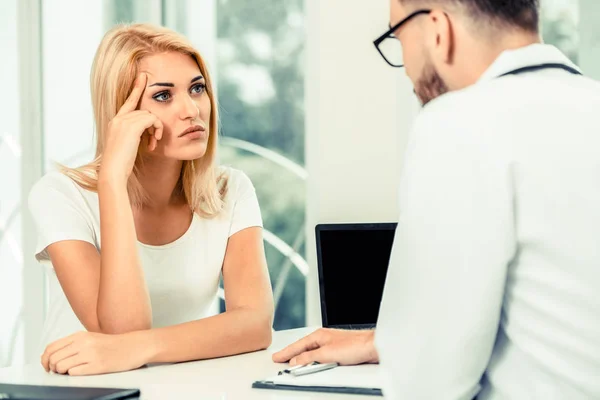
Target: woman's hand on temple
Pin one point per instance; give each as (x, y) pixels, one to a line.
(125, 133)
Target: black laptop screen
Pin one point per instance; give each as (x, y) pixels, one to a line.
(353, 261)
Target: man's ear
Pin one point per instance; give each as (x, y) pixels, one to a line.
(440, 36)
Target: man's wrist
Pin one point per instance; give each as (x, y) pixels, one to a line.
(373, 354)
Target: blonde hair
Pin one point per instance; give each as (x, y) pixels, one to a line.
(114, 70)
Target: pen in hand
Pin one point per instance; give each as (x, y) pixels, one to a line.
(300, 370)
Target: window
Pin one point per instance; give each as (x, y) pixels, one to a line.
(261, 91)
(560, 20)
(257, 65)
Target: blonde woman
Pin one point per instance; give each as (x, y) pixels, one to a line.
(136, 241)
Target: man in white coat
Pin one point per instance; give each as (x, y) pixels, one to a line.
(493, 288)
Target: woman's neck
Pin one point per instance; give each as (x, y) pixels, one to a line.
(160, 179)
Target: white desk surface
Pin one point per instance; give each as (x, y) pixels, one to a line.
(223, 378)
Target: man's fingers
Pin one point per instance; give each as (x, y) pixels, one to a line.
(305, 344)
(134, 97)
(319, 355)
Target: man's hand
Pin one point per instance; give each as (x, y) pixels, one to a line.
(329, 346)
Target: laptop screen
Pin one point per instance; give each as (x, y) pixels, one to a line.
(353, 261)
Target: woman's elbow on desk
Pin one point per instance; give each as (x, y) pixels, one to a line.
(264, 331)
(249, 329)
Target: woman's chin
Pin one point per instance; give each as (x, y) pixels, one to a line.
(191, 152)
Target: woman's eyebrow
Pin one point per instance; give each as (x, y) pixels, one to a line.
(169, 84)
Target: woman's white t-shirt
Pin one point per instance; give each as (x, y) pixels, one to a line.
(182, 276)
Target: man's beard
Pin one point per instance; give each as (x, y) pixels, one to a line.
(430, 85)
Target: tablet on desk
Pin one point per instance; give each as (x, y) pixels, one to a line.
(30, 392)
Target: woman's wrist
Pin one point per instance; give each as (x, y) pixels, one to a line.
(146, 344)
(112, 179)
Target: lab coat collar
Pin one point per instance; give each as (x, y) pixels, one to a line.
(534, 54)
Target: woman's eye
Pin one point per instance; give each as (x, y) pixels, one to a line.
(162, 96)
(199, 88)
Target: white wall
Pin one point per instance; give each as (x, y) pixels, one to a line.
(358, 112)
(68, 117)
(31, 113)
(11, 252)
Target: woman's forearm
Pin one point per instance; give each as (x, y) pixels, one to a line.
(233, 332)
(123, 299)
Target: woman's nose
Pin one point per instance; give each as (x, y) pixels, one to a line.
(189, 109)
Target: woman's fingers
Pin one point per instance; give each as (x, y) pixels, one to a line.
(158, 129)
(66, 364)
(134, 97)
(154, 129)
(54, 347)
(60, 355)
(152, 143)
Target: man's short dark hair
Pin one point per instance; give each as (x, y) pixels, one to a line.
(522, 14)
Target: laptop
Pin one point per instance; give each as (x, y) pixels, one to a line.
(29, 392)
(352, 265)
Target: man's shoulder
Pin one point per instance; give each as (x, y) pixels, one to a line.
(469, 121)
(500, 98)
(472, 102)
(455, 113)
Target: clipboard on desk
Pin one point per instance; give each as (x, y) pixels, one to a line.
(359, 379)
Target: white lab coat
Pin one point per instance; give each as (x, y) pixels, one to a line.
(494, 280)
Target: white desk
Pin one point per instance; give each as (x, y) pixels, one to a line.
(223, 378)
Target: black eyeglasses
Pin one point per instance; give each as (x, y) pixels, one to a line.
(390, 50)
